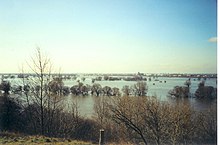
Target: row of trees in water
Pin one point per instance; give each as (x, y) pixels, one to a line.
(133, 117)
(57, 87)
(207, 92)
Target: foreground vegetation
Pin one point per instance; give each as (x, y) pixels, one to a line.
(124, 119)
(18, 139)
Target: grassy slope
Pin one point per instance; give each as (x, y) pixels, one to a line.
(18, 139)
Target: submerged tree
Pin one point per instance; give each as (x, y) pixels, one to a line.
(107, 91)
(179, 92)
(140, 88)
(205, 91)
(188, 84)
(96, 89)
(115, 91)
(56, 86)
(126, 90)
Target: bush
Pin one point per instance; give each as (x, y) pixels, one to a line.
(87, 130)
(152, 121)
(10, 110)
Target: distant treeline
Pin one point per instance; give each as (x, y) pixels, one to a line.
(118, 75)
(56, 87)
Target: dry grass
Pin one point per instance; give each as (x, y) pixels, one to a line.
(121, 143)
(18, 139)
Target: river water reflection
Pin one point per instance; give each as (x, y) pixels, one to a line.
(159, 88)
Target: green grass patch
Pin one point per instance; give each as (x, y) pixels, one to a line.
(19, 139)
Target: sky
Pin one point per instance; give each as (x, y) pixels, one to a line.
(110, 36)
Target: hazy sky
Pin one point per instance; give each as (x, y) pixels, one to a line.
(111, 36)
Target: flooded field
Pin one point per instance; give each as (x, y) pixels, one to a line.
(158, 87)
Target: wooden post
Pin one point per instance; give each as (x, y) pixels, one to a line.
(101, 137)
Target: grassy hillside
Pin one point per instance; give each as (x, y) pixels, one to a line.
(18, 139)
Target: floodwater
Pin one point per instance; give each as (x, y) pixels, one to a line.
(158, 87)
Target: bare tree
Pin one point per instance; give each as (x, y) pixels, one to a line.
(115, 91)
(40, 95)
(206, 91)
(154, 121)
(179, 92)
(103, 117)
(56, 86)
(127, 112)
(140, 88)
(188, 84)
(107, 91)
(96, 89)
(40, 68)
(208, 120)
(182, 123)
(101, 109)
(126, 90)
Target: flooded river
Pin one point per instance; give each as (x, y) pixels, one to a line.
(156, 87)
